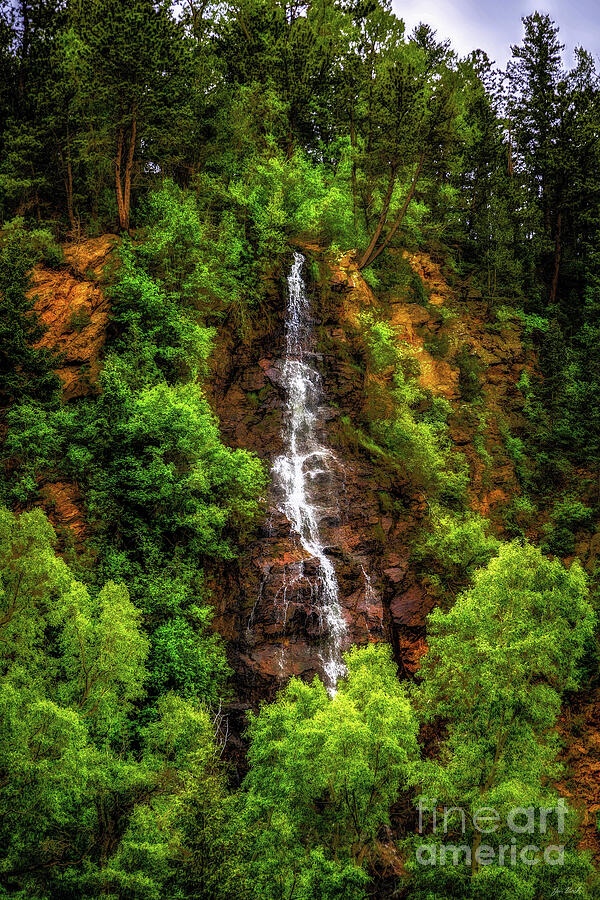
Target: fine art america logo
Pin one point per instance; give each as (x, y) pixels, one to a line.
(542, 822)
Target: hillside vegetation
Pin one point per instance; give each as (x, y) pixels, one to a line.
(158, 163)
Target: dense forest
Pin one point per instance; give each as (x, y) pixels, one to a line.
(202, 145)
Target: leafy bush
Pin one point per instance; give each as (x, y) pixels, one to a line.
(188, 659)
(438, 345)
(469, 382)
(457, 545)
(516, 449)
(497, 664)
(160, 476)
(419, 290)
(324, 772)
(80, 319)
(568, 517)
(407, 422)
(25, 370)
(519, 514)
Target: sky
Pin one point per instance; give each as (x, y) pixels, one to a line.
(493, 25)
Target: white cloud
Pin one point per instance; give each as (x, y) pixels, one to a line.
(494, 26)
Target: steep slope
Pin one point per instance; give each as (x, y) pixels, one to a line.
(376, 513)
(379, 512)
(579, 726)
(75, 312)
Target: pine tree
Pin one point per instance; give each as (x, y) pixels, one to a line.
(136, 95)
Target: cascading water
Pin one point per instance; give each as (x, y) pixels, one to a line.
(304, 466)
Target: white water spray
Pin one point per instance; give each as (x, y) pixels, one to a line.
(305, 462)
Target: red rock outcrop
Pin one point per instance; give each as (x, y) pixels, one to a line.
(579, 726)
(74, 310)
(64, 504)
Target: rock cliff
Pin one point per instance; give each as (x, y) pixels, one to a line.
(75, 312)
(379, 512)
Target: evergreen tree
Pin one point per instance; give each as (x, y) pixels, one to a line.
(136, 94)
(25, 369)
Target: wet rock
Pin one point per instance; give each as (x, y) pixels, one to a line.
(411, 606)
(370, 515)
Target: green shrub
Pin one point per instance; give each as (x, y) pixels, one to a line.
(515, 447)
(469, 379)
(80, 319)
(26, 371)
(415, 434)
(457, 545)
(371, 277)
(324, 772)
(438, 345)
(519, 514)
(419, 290)
(568, 517)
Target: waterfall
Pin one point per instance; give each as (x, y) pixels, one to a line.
(306, 466)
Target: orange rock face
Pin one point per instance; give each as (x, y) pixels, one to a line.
(64, 504)
(74, 310)
(579, 725)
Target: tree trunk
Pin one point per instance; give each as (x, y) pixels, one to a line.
(291, 144)
(367, 260)
(69, 183)
(382, 220)
(557, 256)
(354, 188)
(120, 204)
(129, 169)
(123, 180)
(474, 848)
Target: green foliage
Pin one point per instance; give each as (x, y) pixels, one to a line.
(419, 290)
(324, 771)
(517, 450)
(497, 664)
(568, 517)
(25, 370)
(457, 545)
(72, 666)
(156, 337)
(532, 324)
(469, 381)
(404, 421)
(73, 672)
(189, 659)
(519, 514)
(80, 319)
(438, 345)
(157, 473)
(327, 879)
(221, 134)
(163, 491)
